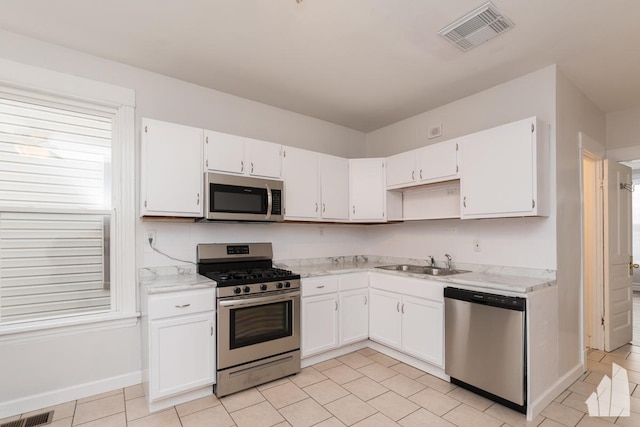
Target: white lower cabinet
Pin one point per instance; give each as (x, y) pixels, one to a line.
(334, 311)
(403, 313)
(178, 344)
(354, 316)
(319, 323)
(408, 314)
(181, 353)
(385, 323)
(422, 327)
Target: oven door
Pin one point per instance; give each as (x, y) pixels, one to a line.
(254, 327)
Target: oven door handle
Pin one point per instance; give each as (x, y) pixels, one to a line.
(246, 302)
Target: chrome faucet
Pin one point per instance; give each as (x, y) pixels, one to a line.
(431, 260)
(448, 261)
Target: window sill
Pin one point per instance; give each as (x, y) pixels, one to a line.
(47, 328)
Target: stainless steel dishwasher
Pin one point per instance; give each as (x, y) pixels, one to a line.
(485, 345)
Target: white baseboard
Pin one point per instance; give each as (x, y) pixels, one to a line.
(424, 366)
(332, 354)
(56, 397)
(534, 408)
(181, 398)
(411, 361)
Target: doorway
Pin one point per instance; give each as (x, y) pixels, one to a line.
(593, 274)
(606, 248)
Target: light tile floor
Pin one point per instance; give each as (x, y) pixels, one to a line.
(364, 388)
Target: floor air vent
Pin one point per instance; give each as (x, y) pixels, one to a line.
(33, 421)
(476, 27)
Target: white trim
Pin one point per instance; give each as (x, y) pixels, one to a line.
(624, 154)
(537, 406)
(27, 80)
(332, 354)
(22, 76)
(56, 397)
(590, 148)
(181, 398)
(398, 355)
(36, 331)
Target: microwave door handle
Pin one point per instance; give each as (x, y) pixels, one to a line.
(269, 201)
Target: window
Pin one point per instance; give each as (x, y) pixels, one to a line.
(66, 214)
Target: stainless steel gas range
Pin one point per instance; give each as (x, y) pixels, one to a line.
(258, 315)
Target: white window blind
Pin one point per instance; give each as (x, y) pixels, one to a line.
(55, 200)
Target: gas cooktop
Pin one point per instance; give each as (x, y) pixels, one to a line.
(233, 264)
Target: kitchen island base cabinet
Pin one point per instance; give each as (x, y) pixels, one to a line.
(178, 346)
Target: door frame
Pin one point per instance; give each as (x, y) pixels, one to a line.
(594, 151)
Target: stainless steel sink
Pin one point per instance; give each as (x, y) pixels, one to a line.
(422, 269)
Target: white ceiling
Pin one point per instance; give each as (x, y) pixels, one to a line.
(360, 63)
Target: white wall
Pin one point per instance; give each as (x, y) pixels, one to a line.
(513, 242)
(290, 241)
(576, 113)
(66, 361)
(623, 129)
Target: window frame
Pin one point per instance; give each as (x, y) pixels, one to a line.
(51, 86)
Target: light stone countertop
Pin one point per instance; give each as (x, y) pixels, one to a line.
(157, 280)
(508, 280)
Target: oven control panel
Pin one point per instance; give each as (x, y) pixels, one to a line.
(258, 288)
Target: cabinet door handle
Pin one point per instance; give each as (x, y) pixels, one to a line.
(324, 208)
(183, 305)
(251, 167)
(464, 201)
(320, 287)
(402, 308)
(241, 165)
(354, 209)
(316, 206)
(398, 307)
(365, 300)
(198, 199)
(211, 330)
(413, 175)
(420, 173)
(336, 305)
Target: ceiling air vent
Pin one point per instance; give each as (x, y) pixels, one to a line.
(476, 27)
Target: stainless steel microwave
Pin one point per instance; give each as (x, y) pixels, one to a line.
(242, 198)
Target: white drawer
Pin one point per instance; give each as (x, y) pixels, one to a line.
(181, 303)
(319, 285)
(348, 282)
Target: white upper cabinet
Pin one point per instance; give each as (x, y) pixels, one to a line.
(171, 170)
(223, 152)
(505, 171)
(334, 188)
(401, 169)
(239, 155)
(301, 184)
(316, 186)
(438, 162)
(433, 163)
(367, 183)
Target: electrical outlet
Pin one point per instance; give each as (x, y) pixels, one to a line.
(476, 245)
(151, 238)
